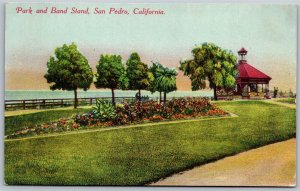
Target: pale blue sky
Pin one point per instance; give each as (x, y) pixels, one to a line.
(268, 32)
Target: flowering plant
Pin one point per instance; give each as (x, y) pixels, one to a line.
(104, 114)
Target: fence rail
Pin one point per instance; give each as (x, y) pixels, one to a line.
(52, 103)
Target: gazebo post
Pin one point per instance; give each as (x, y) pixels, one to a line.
(267, 90)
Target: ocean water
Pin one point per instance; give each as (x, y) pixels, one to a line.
(58, 94)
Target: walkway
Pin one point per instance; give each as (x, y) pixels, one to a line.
(271, 165)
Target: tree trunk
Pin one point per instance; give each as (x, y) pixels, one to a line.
(159, 97)
(75, 98)
(113, 97)
(140, 97)
(215, 93)
(165, 98)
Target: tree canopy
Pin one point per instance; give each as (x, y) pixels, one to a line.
(155, 69)
(166, 81)
(111, 73)
(213, 64)
(138, 73)
(69, 70)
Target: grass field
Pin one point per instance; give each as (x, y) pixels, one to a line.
(286, 100)
(136, 156)
(19, 122)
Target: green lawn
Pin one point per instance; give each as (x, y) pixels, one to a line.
(136, 156)
(19, 122)
(286, 100)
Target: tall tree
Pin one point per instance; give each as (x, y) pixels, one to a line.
(166, 81)
(111, 74)
(213, 64)
(156, 68)
(69, 70)
(138, 74)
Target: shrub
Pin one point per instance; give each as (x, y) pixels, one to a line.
(86, 119)
(121, 115)
(136, 111)
(104, 114)
(156, 118)
(104, 110)
(179, 116)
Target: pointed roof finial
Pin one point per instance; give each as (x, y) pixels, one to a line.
(243, 51)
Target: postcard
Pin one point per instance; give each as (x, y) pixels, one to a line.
(181, 94)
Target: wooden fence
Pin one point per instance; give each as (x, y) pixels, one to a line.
(52, 103)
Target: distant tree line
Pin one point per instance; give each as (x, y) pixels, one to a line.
(280, 93)
(69, 70)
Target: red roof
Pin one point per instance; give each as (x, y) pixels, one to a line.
(242, 51)
(248, 71)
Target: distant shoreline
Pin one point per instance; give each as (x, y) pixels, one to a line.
(59, 94)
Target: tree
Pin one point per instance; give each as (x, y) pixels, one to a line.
(156, 68)
(166, 81)
(276, 89)
(138, 74)
(69, 70)
(281, 93)
(111, 74)
(291, 93)
(211, 63)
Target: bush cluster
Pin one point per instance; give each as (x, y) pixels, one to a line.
(105, 114)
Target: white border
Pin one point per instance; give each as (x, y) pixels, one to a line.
(2, 84)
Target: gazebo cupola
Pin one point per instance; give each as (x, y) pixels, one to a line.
(242, 55)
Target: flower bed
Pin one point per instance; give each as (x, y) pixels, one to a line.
(106, 115)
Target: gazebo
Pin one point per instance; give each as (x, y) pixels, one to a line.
(251, 83)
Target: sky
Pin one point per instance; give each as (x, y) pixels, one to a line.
(268, 32)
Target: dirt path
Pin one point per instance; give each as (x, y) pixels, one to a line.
(271, 165)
